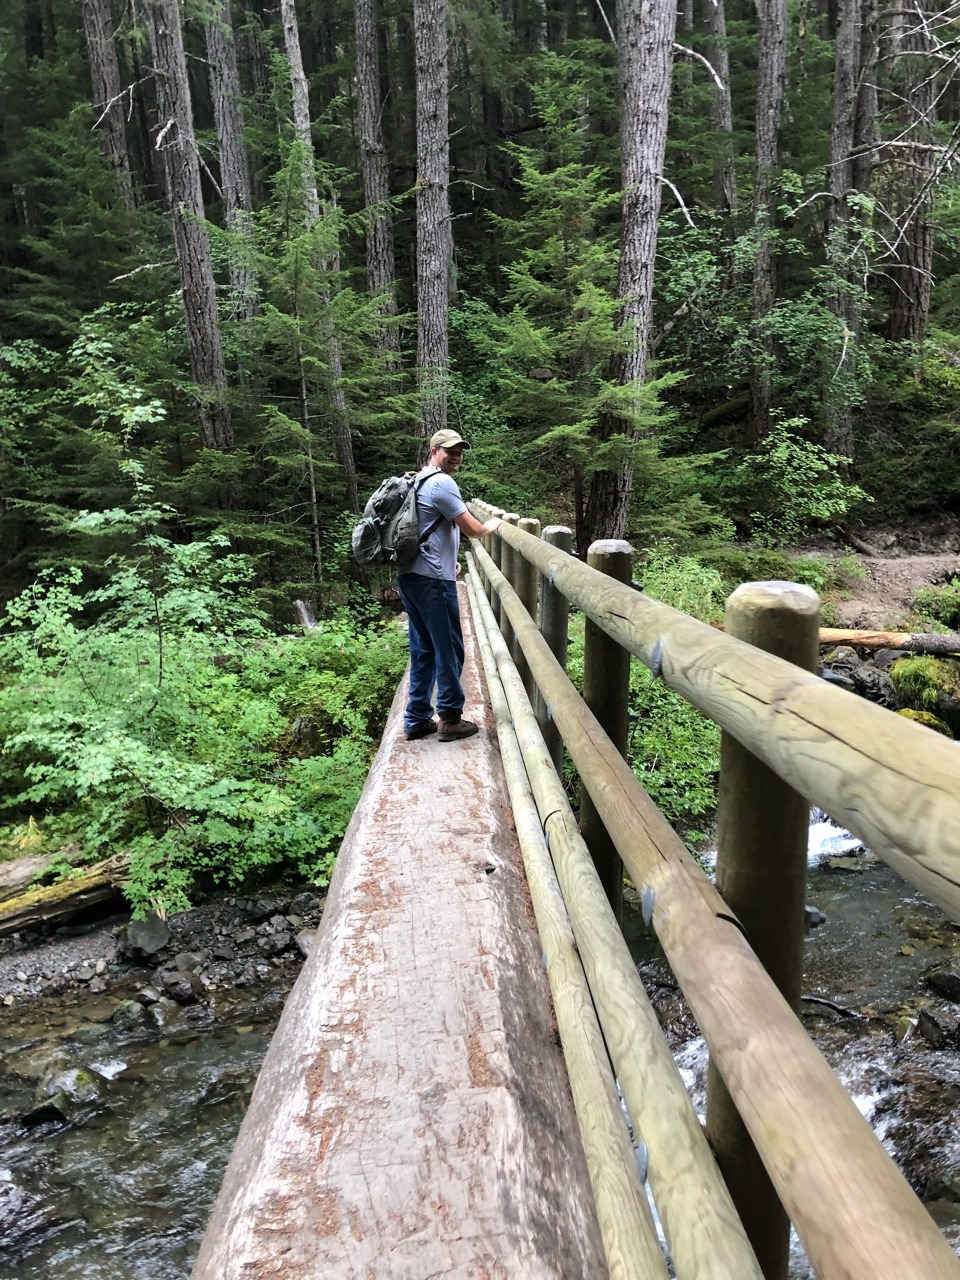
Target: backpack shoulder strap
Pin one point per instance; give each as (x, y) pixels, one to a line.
(435, 524)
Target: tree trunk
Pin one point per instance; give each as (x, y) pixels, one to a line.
(433, 212)
(842, 254)
(381, 273)
(234, 170)
(721, 108)
(645, 34)
(910, 176)
(177, 145)
(107, 101)
(771, 79)
(339, 425)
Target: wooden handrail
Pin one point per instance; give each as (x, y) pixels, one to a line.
(891, 781)
(810, 1135)
(698, 1216)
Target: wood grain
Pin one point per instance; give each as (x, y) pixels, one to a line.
(413, 1117)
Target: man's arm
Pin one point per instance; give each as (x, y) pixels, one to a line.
(472, 527)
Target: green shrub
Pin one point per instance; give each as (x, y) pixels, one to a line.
(163, 728)
(941, 604)
(789, 485)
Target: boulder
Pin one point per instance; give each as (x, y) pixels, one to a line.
(145, 937)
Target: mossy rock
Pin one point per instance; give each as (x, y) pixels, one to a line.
(930, 684)
(926, 718)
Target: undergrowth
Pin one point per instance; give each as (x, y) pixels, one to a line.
(160, 716)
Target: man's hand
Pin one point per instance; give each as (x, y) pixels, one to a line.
(472, 527)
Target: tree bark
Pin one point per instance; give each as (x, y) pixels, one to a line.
(381, 272)
(434, 242)
(721, 108)
(176, 142)
(339, 425)
(107, 101)
(771, 80)
(910, 176)
(645, 35)
(234, 169)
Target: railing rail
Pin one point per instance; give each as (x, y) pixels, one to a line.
(894, 783)
(888, 780)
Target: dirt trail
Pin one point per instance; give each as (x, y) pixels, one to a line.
(883, 599)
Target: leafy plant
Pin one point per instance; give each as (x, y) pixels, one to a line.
(791, 484)
(178, 727)
(942, 604)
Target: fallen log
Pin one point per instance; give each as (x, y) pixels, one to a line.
(911, 642)
(55, 904)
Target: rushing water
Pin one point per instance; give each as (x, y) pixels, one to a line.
(122, 1191)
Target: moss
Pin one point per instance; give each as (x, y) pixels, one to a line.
(930, 684)
(926, 718)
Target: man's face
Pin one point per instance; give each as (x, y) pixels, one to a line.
(448, 460)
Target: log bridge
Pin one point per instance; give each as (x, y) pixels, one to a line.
(468, 1079)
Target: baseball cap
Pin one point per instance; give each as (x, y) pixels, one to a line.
(447, 439)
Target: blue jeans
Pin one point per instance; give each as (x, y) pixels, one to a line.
(436, 647)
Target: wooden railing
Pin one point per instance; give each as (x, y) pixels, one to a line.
(892, 782)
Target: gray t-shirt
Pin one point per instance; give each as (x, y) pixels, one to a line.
(438, 496)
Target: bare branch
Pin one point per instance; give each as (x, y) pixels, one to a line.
(698, 57)
(686, 212)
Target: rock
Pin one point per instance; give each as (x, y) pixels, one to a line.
(188, 962)
(145, 937)
(875, 686)
(148, 995)
(183, 987)
(843, 659)
(224, 952)
(245, 935)
(938, 1028)
(273, 943)
(305, 940)
(265, 907)
(305, 904)
(86, 973)
(97, 985)
(884, 659)
(128, 1014)
(945, 981)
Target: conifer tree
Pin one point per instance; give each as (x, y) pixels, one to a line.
(374, 165)
(645, 31)
(176, 141)
(234, 168)
(108, 101)
(434, 232)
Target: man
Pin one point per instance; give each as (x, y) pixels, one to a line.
(428, 589)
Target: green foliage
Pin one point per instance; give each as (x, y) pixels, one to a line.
(942, 604)
(789, 485)
(672, 748)
(178, 727)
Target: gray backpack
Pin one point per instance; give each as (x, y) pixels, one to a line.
(389, 532)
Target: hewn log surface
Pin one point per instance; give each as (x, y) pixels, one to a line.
(894, 783)
(413, 1116)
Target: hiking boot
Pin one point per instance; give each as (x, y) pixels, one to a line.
(421, 730)
(451, 730)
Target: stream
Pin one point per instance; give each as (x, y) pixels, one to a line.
(154, 1097)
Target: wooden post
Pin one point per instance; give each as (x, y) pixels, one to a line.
(494, 546)
(606, 691)
(508, 567)
(554, 620)
(527, 588)
(762, 834)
